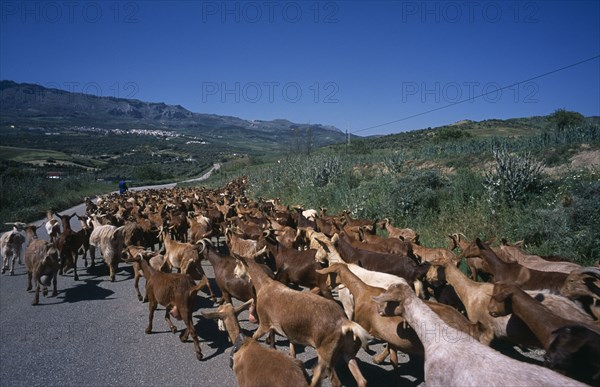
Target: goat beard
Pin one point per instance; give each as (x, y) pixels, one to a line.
(175, 313)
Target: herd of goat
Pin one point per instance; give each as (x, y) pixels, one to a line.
(283, 265)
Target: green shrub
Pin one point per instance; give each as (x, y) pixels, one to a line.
(512, 177)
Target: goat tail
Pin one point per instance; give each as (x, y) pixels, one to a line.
(358, 331)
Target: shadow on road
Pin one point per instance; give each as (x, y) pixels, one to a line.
(86, 290)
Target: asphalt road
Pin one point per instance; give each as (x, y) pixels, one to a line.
(92, 334)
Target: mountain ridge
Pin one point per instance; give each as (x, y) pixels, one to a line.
(29, 104)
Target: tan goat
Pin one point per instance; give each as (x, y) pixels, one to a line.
(308, 319)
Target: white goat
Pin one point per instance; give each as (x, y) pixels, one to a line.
(110, 241)
(52, 226)
(472, 363)
(11, 246)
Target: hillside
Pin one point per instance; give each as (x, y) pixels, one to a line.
(34, 106)
(510, 128)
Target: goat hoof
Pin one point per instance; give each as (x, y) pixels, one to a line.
(148, 331)
(3, 270)
(34, 303)
(54, 294)
(199, 356)
(12, 273)
(173, 330)
(28, 289)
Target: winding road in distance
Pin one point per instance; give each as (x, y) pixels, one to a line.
(92, 334)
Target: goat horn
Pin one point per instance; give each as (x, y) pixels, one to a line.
(591, 271)
(201, 242)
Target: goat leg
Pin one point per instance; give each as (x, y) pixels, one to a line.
(5, 263)
(333, 377)
(136, 284)
(12, 265)
(168, 320)
(271, 341)
(380, 358)
(393, 357)
(75, 275)
(28, 281)
(355, 371)
(92, 256)
(206, 283)
(318, 372)
(151, 309)
(191, 331)
(260, 331)
(54, 289)
(112, 269)
(36, 298)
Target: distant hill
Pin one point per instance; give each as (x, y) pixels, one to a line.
(513, 127)
(31, 105)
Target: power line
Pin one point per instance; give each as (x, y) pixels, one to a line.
(479, 96)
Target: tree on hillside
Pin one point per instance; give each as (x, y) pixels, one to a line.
(562, 119)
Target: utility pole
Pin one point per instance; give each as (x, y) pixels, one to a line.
(348, 133)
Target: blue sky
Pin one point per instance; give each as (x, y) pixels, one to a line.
(352, 64)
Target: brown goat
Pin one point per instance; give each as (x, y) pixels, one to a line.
(393, 330)
(513, 272)
(575, 350)
(156, 260)
(253, 364)
(387, 245)
(177, 293)
(401, 266)
(68, 244)
(307, 319)
(41, 264)
(405, 234)
(584, 285)
(509, 298)
(298, 267)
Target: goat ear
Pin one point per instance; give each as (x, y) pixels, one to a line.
(523, 276)
(323, 245)
(213, 315)
(325, 270)
(384, 297)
